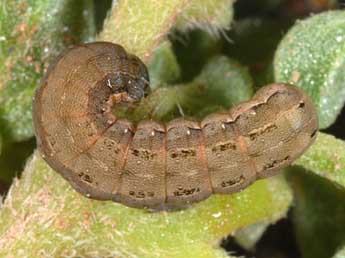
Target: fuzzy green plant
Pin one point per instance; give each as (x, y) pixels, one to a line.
(340, 253)
(163, 66)
(325, 161)
(322, 234)
(311, 55)
(248, 236)
(31, 33)
(318, 214)
(126, 232)
(43, 216)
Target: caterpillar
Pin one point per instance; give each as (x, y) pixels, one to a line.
(152, 164)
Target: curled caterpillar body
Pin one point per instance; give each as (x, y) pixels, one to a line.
(152, 164)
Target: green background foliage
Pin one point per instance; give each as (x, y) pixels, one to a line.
(311, 56)
(200, 61)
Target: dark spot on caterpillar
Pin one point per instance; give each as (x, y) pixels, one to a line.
(174, 155)
(224, 147)
(301, 104)
(143, 154)
(141, 194)
(185, 192)
(313, 134)
(232, 182)
(183, 153)
(257, 132)
(86, 178)
(187, 153)
(275, 163)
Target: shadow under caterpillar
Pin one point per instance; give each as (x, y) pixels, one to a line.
(153, 164)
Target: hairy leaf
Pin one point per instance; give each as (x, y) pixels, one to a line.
(311, 55)
(44, 215)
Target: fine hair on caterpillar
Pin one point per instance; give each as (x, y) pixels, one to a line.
(153, 164)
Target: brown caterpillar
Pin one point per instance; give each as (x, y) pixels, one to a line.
(153, 164)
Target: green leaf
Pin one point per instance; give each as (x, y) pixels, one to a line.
(42, 214)
(42, 208)
(318, 214)
(140, 26)
(340, 253)
(163, 66)
(210, 16)
(248, 236)
(32, 32)
(311, 55)
(226, 84)
(326, 158)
